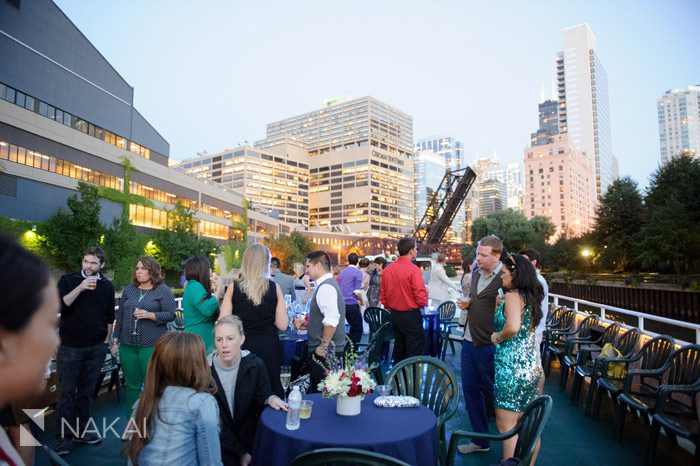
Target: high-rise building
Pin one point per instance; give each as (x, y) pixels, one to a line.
(584, 109)
(514, 187)
(679, 123)
(429, 171)
(360, 166)
(549, 123)
(447, 147)
(452, 151)
(492, 196)
(274, 184)
(66, 116)
(560, 185)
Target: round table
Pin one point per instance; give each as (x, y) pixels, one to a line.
(293, 344)
(408, 434)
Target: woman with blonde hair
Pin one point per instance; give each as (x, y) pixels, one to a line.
(243, 391)
(177, 417)
(302, 284)
(259, 303)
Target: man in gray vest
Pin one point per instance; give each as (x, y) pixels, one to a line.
(326, 327)
(477, 350)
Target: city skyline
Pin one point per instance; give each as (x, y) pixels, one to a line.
(236, 67)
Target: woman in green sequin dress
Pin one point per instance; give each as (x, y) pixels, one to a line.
(517, 363)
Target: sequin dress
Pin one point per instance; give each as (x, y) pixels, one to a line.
(517, 364)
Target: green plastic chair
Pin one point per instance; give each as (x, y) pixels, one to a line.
(433, 383)
(376, 317)
(446, 311)
(375, 346)
(345, 457)
(581, 335)
(528, 429)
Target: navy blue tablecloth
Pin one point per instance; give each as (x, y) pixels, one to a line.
(408, 434)
(293, 344)
(431, 330)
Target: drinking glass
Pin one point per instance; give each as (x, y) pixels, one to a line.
(135, 331)
(285, 378)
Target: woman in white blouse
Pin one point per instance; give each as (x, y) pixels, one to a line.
(440, 284)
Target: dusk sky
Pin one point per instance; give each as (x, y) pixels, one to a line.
(211, 74)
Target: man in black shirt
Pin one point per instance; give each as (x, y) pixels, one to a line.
(87, 314)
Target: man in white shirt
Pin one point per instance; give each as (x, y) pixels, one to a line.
(326, 316)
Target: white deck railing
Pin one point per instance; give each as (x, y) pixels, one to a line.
(641, 317)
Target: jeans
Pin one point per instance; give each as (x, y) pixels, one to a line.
(78, 371)
(354, 318)
(477, 383)
(134, 361)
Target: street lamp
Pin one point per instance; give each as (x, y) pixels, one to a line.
(586, 253)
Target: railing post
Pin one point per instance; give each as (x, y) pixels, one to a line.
(576, 305)
(602, 312)
(697, 335)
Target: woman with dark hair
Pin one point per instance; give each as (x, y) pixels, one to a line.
(518, 368)
(243, 391)
(177, 417)
(28, 322)
(200, 304)
(146, 306)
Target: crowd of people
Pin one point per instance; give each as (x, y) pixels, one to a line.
(201, 391)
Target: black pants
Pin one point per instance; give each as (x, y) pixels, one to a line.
(408, 334)
(315, 370)
(354, 318)
(78, 371)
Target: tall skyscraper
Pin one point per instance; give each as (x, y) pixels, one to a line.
(452, 151)
(679, 123)
(549, 123)
(514, 187)
(584, 109)
(492, 196)
(429, 172)
(360, 165)
(560, 185)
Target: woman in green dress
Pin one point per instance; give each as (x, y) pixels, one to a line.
(517, 364)
(200, 304)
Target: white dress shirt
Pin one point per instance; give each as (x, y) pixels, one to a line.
(327, 300)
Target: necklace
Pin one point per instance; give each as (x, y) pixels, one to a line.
(142, 293)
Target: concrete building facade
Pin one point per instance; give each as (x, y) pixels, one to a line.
(560, 185)
(360, 165)
(66, 115)
(679, 123)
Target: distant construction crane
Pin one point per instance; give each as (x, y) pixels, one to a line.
(443, 206)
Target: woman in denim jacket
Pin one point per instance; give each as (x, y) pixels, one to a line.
(176, 421)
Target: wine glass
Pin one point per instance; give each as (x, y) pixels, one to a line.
(285, 378)
(135, 332)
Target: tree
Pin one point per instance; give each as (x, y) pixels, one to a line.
(123, 246)
(68, 233)
(617, 225)
(516, 231)
(290, 249)
(671, 224)
(180, 241)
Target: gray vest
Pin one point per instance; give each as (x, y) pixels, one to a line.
(315, 327)
(482, 309)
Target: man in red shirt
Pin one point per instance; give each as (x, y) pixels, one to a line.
(402, 291)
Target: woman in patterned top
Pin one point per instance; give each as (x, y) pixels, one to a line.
(146, 306)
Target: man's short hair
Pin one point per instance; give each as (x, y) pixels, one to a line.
(320, 257)
(533, 255)
(275, 263)
(405, 245)
(441, 257)
(353, 258)
(364, 262)
(493, 241)
(97, 252)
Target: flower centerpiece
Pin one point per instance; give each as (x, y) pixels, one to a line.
(347, 380)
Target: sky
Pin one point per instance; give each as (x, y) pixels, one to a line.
(209, 75)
